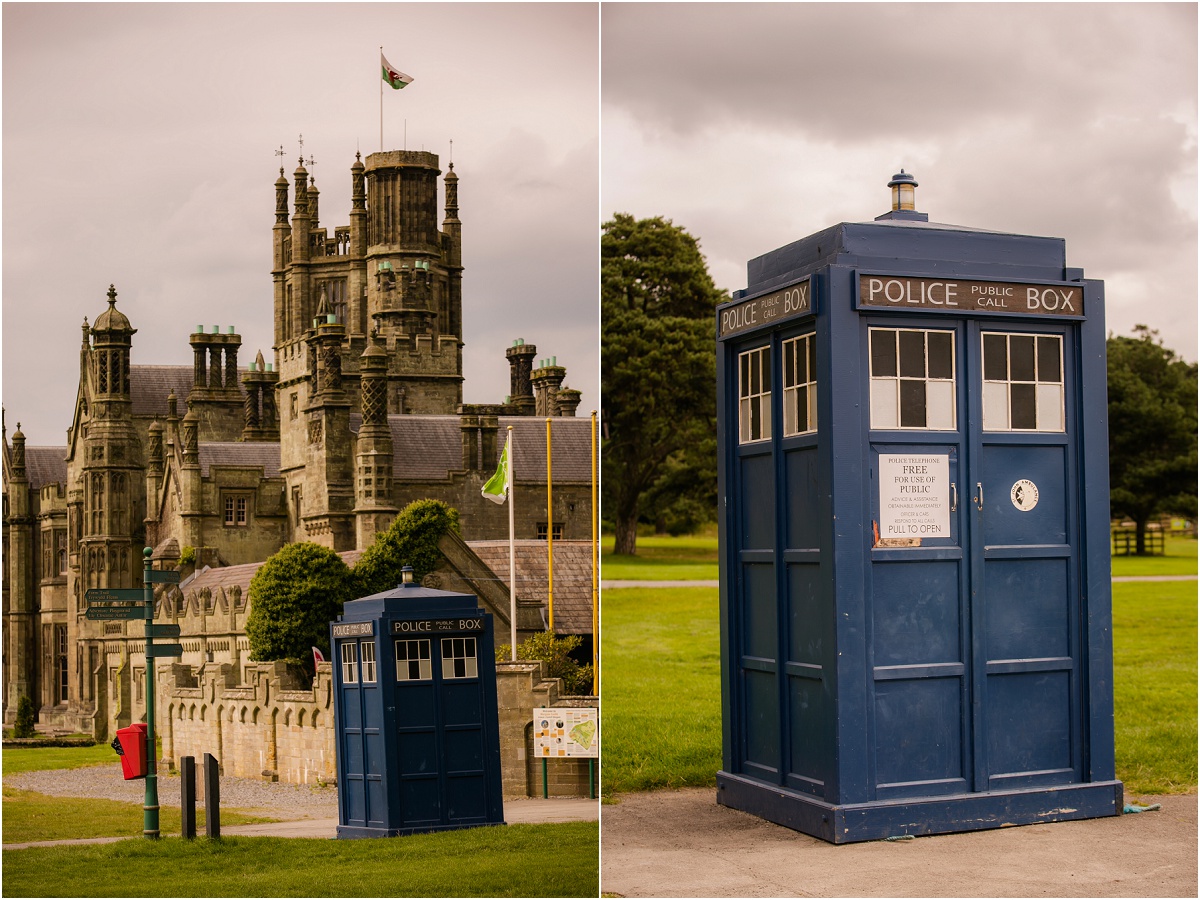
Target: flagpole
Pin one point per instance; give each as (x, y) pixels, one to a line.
(512, 555)
(381, 99)
(595, 572)
(549, 527)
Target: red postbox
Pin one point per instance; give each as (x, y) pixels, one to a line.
(133, 750)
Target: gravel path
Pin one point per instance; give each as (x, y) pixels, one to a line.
(274, 799)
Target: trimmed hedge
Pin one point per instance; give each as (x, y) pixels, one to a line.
(412, 540)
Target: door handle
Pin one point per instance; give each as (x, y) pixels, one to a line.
(979, 496)
(954, 493)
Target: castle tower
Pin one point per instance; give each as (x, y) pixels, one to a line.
(520, 364)
(329, 458)
(20, 613)
(414, 280)
(373, 509)
(546, 380)
(112, 473)
(216, 395)
(261, 419)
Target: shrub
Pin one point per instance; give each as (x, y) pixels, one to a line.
(187, 556)
(555, 652)
(293, 598)
(411, 541)
(23, 726)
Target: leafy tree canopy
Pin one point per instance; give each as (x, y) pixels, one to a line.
(293, 598)
(412, 540)
(658, 367)
(1151, 430)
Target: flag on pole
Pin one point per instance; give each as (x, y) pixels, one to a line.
(318, 657)
(392, 76)
(498, 485)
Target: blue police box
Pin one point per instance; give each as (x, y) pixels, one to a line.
(914, 529)
(418, 742)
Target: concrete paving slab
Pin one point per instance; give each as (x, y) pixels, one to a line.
(682, 844)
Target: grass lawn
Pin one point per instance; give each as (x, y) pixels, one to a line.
(662, 694)
(662, 687)
(29, 816)
(560, 860)
(1154, 662)
(660, 558)
(1179, 559)
(29, 759)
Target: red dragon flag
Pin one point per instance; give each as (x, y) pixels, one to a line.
(393, 76)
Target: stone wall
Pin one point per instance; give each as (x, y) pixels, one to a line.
(267, 725)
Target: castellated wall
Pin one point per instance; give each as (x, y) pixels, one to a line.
(266, 725)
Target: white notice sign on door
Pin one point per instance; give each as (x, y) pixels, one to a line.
(914, 496)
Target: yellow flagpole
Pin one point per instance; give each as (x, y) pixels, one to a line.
(550, 526)
(595, 570)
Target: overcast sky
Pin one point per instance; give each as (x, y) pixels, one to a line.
(139, 149)
(753, 125)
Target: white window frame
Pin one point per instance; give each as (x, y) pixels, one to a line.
(349, 657)
(886, 389)
(1050, 413)
(468, 657)
(750, 369)
(421, 663)
(799, 376)
(366, 658)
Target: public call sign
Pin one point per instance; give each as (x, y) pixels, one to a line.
(777, 306)
(897, 292)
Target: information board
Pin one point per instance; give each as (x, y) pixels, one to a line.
(566, 732)
(914, 496)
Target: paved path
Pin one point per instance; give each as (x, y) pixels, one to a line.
(682, 844)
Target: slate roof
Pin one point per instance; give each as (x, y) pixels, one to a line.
(238, 453)
(45, 465)
(425, 448)
(149, 387)
(223, 577)
(572, 577)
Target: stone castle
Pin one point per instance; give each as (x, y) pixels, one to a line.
(359, 413)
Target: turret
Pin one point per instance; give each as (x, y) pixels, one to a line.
(520, 364)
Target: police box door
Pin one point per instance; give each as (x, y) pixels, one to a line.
(974, 575)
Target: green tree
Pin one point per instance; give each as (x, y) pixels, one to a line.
(658, 368)
(23, 725)
(1151, 430)
(293, 598)
(412, 540)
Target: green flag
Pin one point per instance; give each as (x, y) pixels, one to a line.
(392, 76)
(498, 485)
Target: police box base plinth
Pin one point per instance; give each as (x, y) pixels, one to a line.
(354, 832)
(851, 823)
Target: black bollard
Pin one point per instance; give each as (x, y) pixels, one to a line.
(212, 797)
(187, 790)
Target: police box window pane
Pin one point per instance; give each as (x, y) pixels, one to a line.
(912, 403)
(1049, 358)
(413, 660)
(912, 379)
(1027, 394)
(883, 353)
(349, 651)
(368, 662)
(459, 659)
(754, 411)
(799, 379)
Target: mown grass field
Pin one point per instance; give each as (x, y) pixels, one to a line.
(559, 860)
(29, 816)
(660, 558)
(662, 679)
